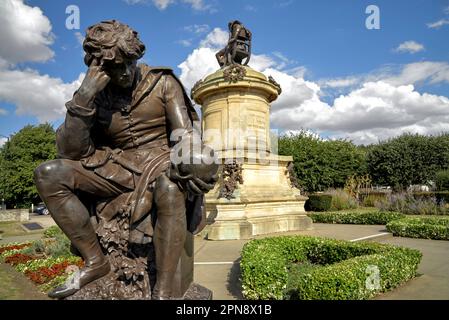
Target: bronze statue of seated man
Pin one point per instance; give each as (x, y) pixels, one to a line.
(115, 141)
(238, 47)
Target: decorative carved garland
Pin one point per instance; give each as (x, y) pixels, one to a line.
(234, 73)
(277, 85)
(231, 174)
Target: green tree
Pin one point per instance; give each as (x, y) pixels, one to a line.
(408, 159)
(320, 164)
(26, 149)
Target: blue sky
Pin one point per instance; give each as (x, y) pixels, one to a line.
(319, 48)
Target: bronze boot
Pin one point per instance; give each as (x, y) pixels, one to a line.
(96, 266)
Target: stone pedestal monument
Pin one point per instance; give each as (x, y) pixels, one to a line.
(255, 194)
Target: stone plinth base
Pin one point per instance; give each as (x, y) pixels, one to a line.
(265, 203)
(246, 229)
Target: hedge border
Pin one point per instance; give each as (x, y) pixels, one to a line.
(341, 275)
(435, 228)
(363, 217)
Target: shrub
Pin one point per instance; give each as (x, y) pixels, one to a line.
(363, 217)
(436, 228)
(341, 200)
(53, 232)
(442, 180)
(441, 197)
(408, 203)
(270, 268)
(370, 199)
(61, 245)
(318, 202)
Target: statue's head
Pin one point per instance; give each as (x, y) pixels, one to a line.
(233, 23)
(115, 47)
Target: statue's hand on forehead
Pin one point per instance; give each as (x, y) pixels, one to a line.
(95, 81)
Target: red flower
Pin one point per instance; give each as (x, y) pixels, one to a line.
(14, 247)
(45, 274)
(18, 258)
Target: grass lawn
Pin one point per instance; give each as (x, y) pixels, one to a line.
(15, 286)
(8, 229)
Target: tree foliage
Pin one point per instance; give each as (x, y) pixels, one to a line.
(26, 149)
(320, 164)
(408, 159)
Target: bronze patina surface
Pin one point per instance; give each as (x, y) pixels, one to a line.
(128, 210)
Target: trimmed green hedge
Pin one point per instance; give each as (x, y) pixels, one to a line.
(341, 268)
(363, 217)
(436, 228)
(318, 202)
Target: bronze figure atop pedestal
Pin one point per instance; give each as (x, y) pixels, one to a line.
(238, 48)
(114, 191)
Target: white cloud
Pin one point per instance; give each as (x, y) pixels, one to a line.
(198, 64)
(380, 105)
(376, 111)
(416, 73)
(438, 24)
(341, 82)
(3, 112)
(162, 4)
(2, 141)
(197, 28)
(37, 95)
(410, 47)
(132, 2)
(284, 4)
(185, 42)
(26, 33)
(217, 39)
(420, 72)
(79, 37)
(250, 8)
(284, 60)
(200, 5)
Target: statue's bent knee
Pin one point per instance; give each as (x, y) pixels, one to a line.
(51, 172)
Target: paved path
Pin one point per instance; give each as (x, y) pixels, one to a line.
(433, 282)
(217, 262)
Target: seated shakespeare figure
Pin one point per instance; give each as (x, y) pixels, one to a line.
(238, 48)
(114, 184)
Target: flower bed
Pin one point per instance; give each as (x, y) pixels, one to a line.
(436, 228)
(41, 262)
(340, 269)
(14, 246)
(363, 217)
